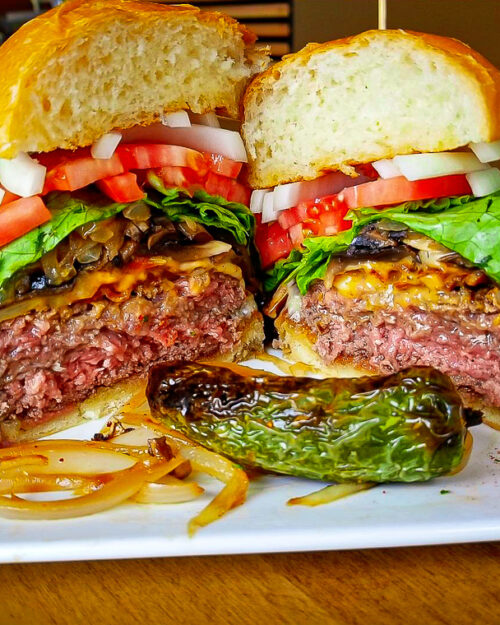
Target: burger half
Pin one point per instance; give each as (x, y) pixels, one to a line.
(124, 226)
(379, 208)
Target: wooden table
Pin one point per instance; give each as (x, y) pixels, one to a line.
(454, 585)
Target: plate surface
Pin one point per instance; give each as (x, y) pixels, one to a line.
(386, 516)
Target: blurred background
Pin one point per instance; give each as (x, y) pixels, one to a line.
(288, 26)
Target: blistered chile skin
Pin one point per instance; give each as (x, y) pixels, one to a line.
(407, 427)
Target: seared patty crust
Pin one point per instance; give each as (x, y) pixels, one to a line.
(52, 359)
(461, 343)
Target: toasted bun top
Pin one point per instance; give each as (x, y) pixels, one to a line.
(89, 66)
(367, 97)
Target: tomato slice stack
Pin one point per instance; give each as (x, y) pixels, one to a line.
(117, 178)
(20, 216)
(326, 216)
(321, 217)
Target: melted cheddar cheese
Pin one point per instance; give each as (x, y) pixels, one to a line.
(118, 283)
(406, 283)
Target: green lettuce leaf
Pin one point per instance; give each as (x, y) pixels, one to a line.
(72, 210)
(208, 210)
(69, 211)
(310, 263)
(470, 227)
(281, 270)
(466, 225)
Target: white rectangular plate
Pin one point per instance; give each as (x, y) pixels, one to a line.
(386, 516)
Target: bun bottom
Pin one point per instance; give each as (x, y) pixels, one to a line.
(111, 401)
(298, 345)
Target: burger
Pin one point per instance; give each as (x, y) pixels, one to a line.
(124, 224)
(378, 206)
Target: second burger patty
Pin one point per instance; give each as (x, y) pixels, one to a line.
(463, 344)
(52, 359)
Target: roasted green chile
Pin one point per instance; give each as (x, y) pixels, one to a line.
(405, 427)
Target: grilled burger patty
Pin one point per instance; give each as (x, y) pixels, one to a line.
(52, 359)
(462, 344)
(397, 300)
(112, 299)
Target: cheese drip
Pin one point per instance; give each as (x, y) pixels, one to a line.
(122, 281)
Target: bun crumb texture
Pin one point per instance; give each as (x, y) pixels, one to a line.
(88, 67)
(368, 97)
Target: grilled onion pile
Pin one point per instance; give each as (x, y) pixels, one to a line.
(136, 459)
(98, 243)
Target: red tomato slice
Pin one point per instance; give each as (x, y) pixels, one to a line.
(218, 185)
(329, 203)
(182, 177)
(239, 193)
(152, 155)
(227, 188)
(224, 166)
(332, 223)
(324, 217)
(8, 197)
(21, 216)
(397, 190)
(273, 243)
(296, 233)
(292, 216)
(59, 157)
(121, 188)
(368, 170)
(80, 172)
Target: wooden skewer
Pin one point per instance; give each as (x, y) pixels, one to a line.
(382, 14)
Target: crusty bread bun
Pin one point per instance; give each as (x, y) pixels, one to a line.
(368, 97)
(112, 401)
(89, 66)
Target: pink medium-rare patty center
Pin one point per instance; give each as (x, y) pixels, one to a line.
(52, 359)
(463, 344)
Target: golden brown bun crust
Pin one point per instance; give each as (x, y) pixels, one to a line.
(468, 64)
(298, 345)
(103, 38)
(111, 401)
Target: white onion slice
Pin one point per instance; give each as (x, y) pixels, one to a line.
(486, 152)
(69, 456)
(269, 213)
(177, 119)
(294, 301)
(421, 166)
(105, 146)
(22, 175)
(205, 119)
(289, 195)
(329, 494)
(137, 437)
(386, 168)
(120, 487)
(204, 138)
(2, 193)
(484, 182)
(171, 490)
(256, 200)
